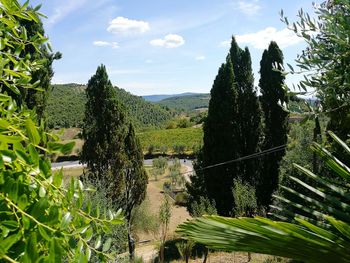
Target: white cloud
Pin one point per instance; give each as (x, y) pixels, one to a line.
(249, 8)
(262, 38)
(66, 7)
(169, 41)
(105, 44)
(225, 43)
(124, 25)
(149, 61)
(200, 58)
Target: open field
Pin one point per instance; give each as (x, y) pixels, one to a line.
(162, 141)
(165, 140)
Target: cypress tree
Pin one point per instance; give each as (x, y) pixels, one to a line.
(220, 133)
(276, 119)
(111, 150)
(135, 178)
(104, 131)
(249, 112)
(231, 130)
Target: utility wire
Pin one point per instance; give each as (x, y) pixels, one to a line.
(247, 157)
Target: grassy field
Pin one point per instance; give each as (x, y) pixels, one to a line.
(165, 140)
(162, 141)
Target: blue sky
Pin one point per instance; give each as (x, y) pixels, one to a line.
(163, 46)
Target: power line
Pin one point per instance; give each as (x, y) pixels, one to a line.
(247, 157)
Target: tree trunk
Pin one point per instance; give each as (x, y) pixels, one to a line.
(316, 138)
(206, 255)
(131, 241)
(161, 253)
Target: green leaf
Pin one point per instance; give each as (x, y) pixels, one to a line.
(62, 148)
(32, 132)
(339, 141)
(10, 139)
(23, 201)
(13, 194)
(44, 233)
(57, 178)
(23, 156)
(54, 214)
(55, 252)
(98, 242)
(2, 43)
(67, 148)
(107, 245)
(10, 224)
(66, 220)
(4, 124)
(45, 168)
(89, 234)
(8, 242)
(26, 222)
(32, 247)
(342, 227)
(42, 191)
(88, 253)
(33, 154)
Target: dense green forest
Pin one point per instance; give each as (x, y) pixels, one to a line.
(186, 103)
(66, 106)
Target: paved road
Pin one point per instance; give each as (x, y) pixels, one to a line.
(66, 164)
(74, 164)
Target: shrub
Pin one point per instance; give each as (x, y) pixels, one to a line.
(181, 199)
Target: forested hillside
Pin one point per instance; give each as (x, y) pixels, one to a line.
(67, 101)
(186, 103)
(66, 106)
(199, 101)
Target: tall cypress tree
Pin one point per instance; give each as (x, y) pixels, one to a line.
(136, 180)
(220, 139)
(232, 129)
(104, 131)
(276, 119)
(111, 150)
(249, 112)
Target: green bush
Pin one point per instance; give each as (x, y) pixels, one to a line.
(181, 199)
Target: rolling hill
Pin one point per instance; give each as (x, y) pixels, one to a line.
(66, 105)
(187, 102)
(157, 98)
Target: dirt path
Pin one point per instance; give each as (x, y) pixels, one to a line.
(147, 252)
(179, 215)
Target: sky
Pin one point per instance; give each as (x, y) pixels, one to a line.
(164, 46)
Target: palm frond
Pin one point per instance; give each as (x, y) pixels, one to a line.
(321, 232)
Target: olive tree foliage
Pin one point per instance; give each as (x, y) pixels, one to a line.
(40, 220)
(164, 218)
(31, 97)
(325, 62)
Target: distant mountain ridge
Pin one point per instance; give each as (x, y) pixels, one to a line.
(186, 103)
(159, 97)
